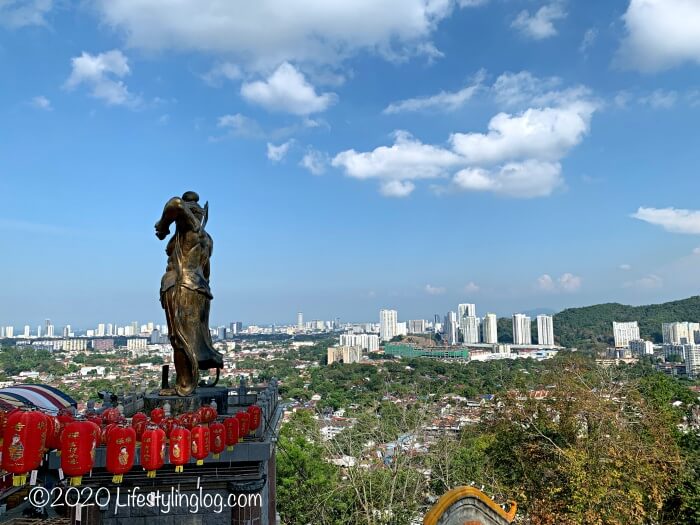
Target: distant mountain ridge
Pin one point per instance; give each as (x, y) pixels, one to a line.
(593, 324)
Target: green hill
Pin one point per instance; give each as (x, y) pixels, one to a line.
(593, 324)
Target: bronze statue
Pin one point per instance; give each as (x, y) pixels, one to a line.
(184, 290)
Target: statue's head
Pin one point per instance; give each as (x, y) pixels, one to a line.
(191, 198)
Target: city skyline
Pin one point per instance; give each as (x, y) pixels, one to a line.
(337, 174)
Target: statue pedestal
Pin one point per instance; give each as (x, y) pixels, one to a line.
(180, 405)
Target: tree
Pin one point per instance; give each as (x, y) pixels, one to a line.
(595, 451)
(308, 488)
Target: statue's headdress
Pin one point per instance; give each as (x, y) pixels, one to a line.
(191, 198)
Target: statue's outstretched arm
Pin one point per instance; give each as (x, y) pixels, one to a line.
(175, 211)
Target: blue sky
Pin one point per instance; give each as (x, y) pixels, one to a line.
(356, 155)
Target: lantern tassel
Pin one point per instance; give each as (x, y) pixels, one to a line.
(117, 478)
(216, 456)
(179, 468)
(151, 474)
(200, 462)
(75, 481)
(18, 480)
(58, 452)
(229, 448)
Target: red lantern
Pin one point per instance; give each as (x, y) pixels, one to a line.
(53, 433)
(157, 415)
(189, 420)
(3, 422)
(179, 453)
(255, 415)
(78, 443)
(121, 448)
(104, 432)
(152, 450)
(64, 417)
(217, 436)
(139, 425)
(23, 444)
(139, 416)
(95, 418)
(200, 443)
(111, 415)
(207, 413)
(167, 425)
(232, 428)
(244, 422)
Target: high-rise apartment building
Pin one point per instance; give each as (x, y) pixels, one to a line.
(466, 310)
(346, 354)
(27, 331)
(388, 320)
(692, 360)
(300, 321)
(9, 331)
(623, 333)
(369, 342)
(470, 326)
(451, 328)
(522, 329)
(236, 327)
(416, 326)
(489, 329)
(545, 330)
(641, 347)
(680, 333)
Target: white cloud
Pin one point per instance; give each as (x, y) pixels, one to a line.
(286, 90)
(41, 102)
(265, 33)
(546, 283)
(434, 290)
(519, 156)
(523, 90)
(277, 153)
(660, 99)
(397, 188)
(625, 267)
(222, 71)
(471, 3)
(20, 13)
(589, 38)
(315, 161)
(240, 126)
(567, 283)
(471, 287)
(540, 25)
(649, 282)
(545, 134)
(443, 101)
(661, 34)
(671, 219)
(408, 159)
(522, 180)
(102, 74)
